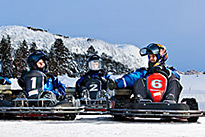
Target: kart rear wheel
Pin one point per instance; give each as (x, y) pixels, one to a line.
(51, 96)
(70, 117)
(121, 101)
(4, 103)
(193, 105)
(119, 118)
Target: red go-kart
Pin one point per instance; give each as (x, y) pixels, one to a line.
(155, 106)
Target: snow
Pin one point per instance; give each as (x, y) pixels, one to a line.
(124, 53)
(193, 86)
(100, 126)
(193, 82)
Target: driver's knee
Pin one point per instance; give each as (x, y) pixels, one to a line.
(139, 88)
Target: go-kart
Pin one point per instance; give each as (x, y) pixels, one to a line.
(95, 99)
(154, 106)
(33, 101)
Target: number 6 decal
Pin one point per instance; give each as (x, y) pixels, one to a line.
(156, 83)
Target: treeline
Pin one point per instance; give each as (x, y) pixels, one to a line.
(61, 60)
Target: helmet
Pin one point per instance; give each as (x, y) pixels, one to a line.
(156, 49)
(34, 58)
(94, 62)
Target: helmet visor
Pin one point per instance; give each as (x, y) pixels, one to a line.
(153, 49)
(143, 51)
(94, 65)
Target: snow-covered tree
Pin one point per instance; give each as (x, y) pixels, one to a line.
(58, 62)
(91, 50)
(33, 47)
(20, 63)
(6, 57)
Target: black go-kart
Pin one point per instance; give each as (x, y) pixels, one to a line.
(95, 99)
(154, 107)
(34, 102)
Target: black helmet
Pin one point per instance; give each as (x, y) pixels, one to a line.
(94, 63)
(34, 58)
(156, 49)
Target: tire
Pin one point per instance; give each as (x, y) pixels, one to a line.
(4, 103)
(70, 117)
(121, 101)
(193, 105)
(119, 118)
(51, 96)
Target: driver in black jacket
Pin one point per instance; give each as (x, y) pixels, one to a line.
(95, 71)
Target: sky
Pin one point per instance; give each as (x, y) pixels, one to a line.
(177, 24)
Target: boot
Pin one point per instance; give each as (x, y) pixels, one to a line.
(170, 98)
(138, 98)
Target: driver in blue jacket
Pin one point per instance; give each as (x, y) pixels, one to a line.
(37, 61)
(157, 55)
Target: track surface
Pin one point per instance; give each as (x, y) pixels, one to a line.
(100, 126)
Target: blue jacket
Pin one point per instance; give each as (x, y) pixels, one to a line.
(55, 86)
(129, 80)
(4, 81)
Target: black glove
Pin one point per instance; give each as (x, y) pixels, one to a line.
(112, 84)
(50, 75)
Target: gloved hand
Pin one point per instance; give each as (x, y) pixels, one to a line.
(112, 84)
(50, 75)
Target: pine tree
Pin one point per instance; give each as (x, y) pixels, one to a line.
(91, 51)
(58, 62)
(81, 63)
(6, 57)
(33, 47)
(20, 63)
(72, 70)
(52, 63)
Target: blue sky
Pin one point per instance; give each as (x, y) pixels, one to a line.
(177, 24)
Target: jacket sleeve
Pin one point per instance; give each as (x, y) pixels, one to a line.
(21, 82)
(129, 80)
(79, 83)
(60, 88)
(21, 79)
(175, 72)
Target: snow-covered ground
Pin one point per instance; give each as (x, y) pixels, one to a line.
(104, 125)
(194, 86)
(100, 126)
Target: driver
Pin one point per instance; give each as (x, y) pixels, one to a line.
(157, 56)
(37, 61)
(95, 70)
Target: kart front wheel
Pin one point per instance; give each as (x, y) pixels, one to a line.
(193, 105)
